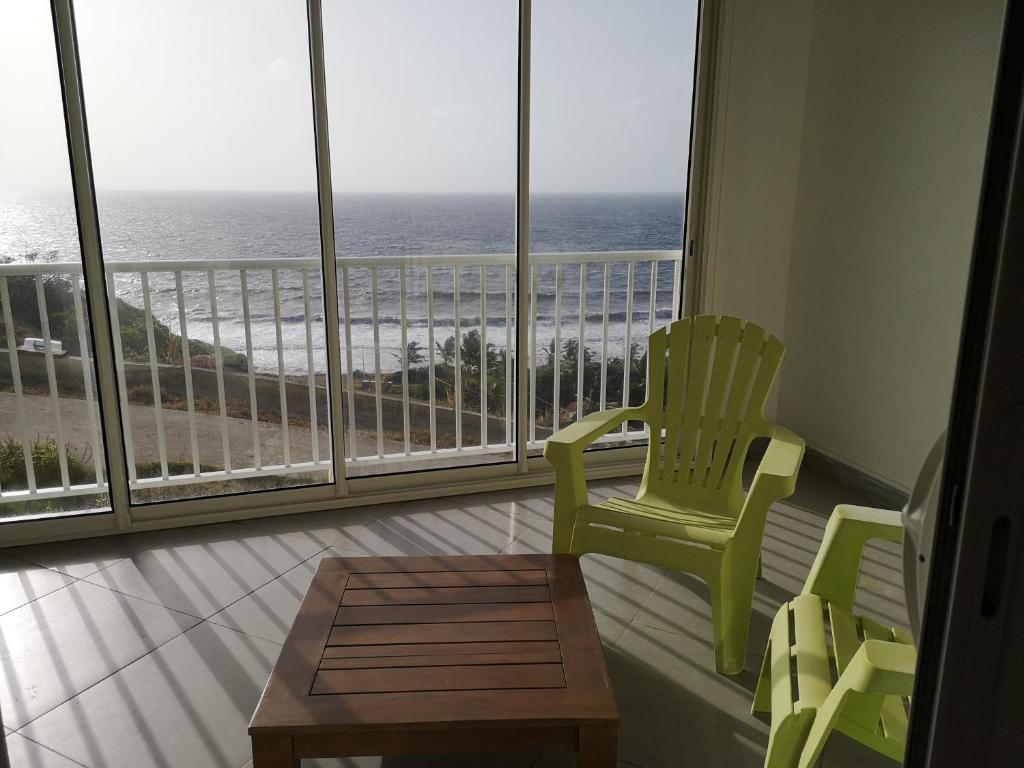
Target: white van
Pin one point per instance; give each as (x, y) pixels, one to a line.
(39, 346)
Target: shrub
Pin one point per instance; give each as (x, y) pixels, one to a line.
(45, 465)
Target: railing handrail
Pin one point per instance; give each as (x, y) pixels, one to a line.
(439, 261)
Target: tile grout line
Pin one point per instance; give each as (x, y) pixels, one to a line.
(198, 619)
(48, 749)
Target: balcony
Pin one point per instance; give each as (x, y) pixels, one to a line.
(243, 381)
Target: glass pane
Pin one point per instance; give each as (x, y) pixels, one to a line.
(51, 455)
(609, 152)
(422, 100)
(202, 142)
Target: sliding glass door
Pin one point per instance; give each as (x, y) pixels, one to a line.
(52, 458)
(612, 87)
(422, 99)
(204, 165)
(319, 224)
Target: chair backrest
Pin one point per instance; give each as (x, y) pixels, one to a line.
(708, 378)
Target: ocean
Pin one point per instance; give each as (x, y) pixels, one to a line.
(155, 226)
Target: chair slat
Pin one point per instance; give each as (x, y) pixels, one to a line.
(728, 334)
(814, 675)
(781, 659)
(696, 389)
(735, 406)
(655, 398)
(679, 351)
(844, 636)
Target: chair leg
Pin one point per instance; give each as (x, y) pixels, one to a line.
(763, 692)
(786, 741)
(730, 615)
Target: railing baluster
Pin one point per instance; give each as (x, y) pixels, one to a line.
(122, 384)
(581, 348)
(677, 282)
(314, 436)
(604, 338)
(483, 356)
(556, 413)
(254, 415)
(90, 402)
(432, 381)
(627, 359)
(353, 441)
(51, 375)
(154, 377)
(186, 361)
(282, 386)
(651, 319)
(533, 353)
(218, 358)
(405, 361)
(456, 292)
(508, 355)
(19, 395)
(378, 395)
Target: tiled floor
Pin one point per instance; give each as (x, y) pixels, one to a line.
(152, 649)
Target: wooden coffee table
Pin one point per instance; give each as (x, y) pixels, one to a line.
(422, 655)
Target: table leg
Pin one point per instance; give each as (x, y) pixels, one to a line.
(273, 752)
(599, 746)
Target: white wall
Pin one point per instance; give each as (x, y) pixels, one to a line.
(895, 129)
(760, 91)
(889, 121)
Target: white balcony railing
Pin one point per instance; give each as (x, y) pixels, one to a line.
(270, 311)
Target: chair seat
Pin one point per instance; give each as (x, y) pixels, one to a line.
(812, 643)
(661, 519)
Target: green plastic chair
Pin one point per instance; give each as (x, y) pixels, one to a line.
(691, 513)
(859, 681)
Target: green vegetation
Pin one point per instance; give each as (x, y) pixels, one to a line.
(469, 360)
(60, 309)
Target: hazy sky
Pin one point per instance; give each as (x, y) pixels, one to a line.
(214, 95)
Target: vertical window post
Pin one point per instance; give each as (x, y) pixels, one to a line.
(318, 80)
(523, 238)
(92, 255)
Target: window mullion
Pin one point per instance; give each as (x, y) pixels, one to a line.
(92, 254)
(523, 238)
(318, 80)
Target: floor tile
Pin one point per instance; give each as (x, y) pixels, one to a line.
(471, 525)
(325, 527)
(22, 582)
(210, 569)
(23, 753)
(673, 704)
(186, 704)
(59, 645)
(616, 587)
(83, 557)
(268, 612)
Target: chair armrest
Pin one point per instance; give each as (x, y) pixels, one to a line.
(836, 567)
(885, 667)
(775, 479)
(582, 433)
(780, 464)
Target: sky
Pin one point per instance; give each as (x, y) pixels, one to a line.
(214, 95)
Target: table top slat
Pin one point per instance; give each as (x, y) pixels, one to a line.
(447, 595)
(442, 614)
(468, 678)
(447, 579)
(444, 660)
(375, 634)
(433, 649)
